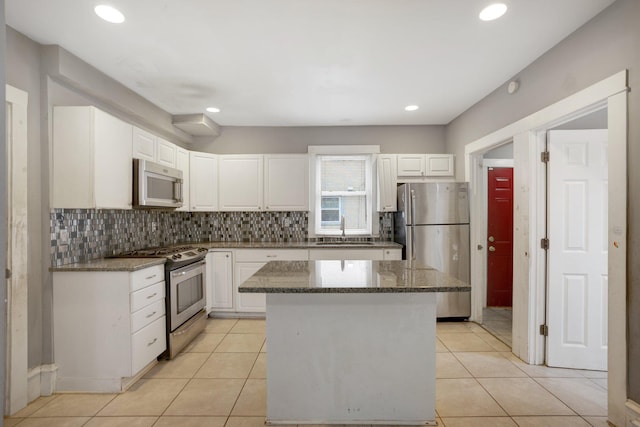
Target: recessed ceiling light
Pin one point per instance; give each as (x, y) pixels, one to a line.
(493, 11)
(109, 14)
(213, 109)
(411, 108)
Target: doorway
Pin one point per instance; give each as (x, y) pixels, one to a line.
(498, 195)
(530, 225)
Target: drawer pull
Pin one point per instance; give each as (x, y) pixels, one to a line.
(151, 315)
(150, 277)
(152, 295)
(152, 342)
(272, 256)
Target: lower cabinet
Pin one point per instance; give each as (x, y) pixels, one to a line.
(228, 269)
(108, 326)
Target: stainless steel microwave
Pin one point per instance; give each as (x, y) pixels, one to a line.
(156, 186)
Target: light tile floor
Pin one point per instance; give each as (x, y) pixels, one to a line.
(219, 380)
(497, 320)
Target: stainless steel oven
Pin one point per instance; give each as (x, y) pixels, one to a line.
(186, 292)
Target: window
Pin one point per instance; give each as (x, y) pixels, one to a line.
(343, 193)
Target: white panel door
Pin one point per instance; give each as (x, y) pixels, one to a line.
(411, 164)
(577, 282)
(439, 164)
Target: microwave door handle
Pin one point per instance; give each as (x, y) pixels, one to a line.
(177, 190)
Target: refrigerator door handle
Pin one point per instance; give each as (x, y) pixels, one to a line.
(413, 225)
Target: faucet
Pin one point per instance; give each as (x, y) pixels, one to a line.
(342, 226)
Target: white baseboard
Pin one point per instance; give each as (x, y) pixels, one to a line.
(41, 381)
(633, 414)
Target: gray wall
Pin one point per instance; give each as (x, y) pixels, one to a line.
(23, 72)
(504, 151)
(3, 211)
(606, 45)
(392, 139)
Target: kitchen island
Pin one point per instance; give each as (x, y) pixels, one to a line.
(350, 342)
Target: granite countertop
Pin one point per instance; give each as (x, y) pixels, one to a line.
(299, 245)
(349, 277)
(111, 264)
(133, 264)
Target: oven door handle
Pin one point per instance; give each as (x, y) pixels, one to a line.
(188, 269)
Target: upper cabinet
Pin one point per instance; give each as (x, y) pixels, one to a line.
(240, 178)
(147, 146)
(425, 165)
(387, 183)
(439, 164)
(203, 181)
(144, 145)
(182, 163)
(286, 182)
(91, 165)
(274, 182)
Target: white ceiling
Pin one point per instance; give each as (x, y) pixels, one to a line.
(307, 62)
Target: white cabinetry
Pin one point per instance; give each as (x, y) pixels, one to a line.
(428, 165)
(144, 145)
(166, 153)
(249, 261)
(286, 182)
(439, 164)
(203, 184)
(220, 281)
(411, 165)
(108, 326)
(182, 163)
(91, 159)
(387, 183)
(392, 254)
(147, 146)
(352, 254)
(240, 178)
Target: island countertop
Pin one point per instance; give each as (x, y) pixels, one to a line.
(349, 276)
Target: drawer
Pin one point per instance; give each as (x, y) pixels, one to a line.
(265, 255)
(146, 296)
(392, 254)
(146, 277)
(354, 254)
(147, 344)
(146, 315)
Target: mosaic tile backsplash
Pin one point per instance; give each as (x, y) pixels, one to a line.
(79, 235)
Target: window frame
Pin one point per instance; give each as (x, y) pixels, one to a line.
(365, 152)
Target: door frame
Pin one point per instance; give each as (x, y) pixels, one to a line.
(486, 164)
(16, 387)
(530, 224)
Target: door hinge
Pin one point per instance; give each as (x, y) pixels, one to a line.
(544, 330)
(7, 273)
(544, 157)
(544, 244)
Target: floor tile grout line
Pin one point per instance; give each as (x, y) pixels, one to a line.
(243, 385)
(558, 397)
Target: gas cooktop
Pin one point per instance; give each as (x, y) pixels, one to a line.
(171, 253)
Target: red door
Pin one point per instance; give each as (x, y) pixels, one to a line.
(500, 238)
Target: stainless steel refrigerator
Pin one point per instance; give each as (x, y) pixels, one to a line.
(432, 224)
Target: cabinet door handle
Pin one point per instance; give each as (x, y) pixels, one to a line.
(152, 295)
(152, 342)
(272, 256)
(150, 277)
(151, 315)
